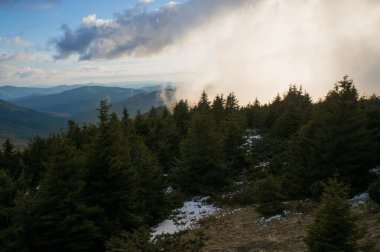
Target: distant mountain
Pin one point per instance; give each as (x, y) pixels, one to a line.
(76, 101)
(44, 114)
(22, 123)
(11, 92)
(142, 102)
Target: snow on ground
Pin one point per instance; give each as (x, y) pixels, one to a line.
(185, 217)
(274, 217)
(360, 199)
(375, 170)
(251, 137)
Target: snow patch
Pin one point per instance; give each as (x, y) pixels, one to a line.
(251, 137)
(375, 170)
(274, 217)
(360, 199)
(185, 217)
(169, 190)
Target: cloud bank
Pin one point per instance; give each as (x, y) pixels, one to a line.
(255, 48)
(137, 32)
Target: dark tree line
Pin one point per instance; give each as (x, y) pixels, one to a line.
(76, 190)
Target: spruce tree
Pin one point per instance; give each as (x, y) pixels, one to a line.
(151, 200)
(335, 140)
(334, 227)
(58, 219)
(181, 117)
(10, 159)
(201, 157)
(204, 105)
(232, 132)
(232, 104)
(218, 108)
(111, 180)
(7, 196)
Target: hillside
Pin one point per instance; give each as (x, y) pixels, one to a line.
(142, 102)
(43, 114)
(76, 101)
(22, 123)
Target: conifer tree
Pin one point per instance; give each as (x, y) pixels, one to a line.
(151, 202)
(334, 227)
(203, 103)
(10, 159)
(7, 196)
(111, 181)
(295, 112)
(218, 108)
(254, 115)
(232, 132)
(335, 140)
(232, 104)
(268, 196)
(182, 117)
(162, 138)
(201, 156)
(58, 219)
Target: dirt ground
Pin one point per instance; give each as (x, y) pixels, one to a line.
(244, 230)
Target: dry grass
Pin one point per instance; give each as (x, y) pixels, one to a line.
(242, 230)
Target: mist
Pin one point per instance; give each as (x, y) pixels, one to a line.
(259, 50)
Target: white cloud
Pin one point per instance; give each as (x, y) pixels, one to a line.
(28, 72)
(136, 32)
(6, 57)
(18, 41)
(145, 1)
(172, 4)
(91, 20)
(15, 42)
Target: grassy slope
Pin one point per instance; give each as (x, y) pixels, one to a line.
(243, 231)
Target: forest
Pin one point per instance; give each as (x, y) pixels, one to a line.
(100, 187)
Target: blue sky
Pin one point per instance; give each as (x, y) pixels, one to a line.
(39, 24)
(256, 48)
(28, 27)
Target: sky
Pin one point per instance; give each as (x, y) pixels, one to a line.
(255, 48)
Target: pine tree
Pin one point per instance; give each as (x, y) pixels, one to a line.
(74, 134)
(335, 140)
(232, 104)
(201, 158)
(182, 117)
(58, 219)
(151, 202)
(218, 108)
(334, 227)
(111, 180)
(10, 159)
(295, 112)
(254, 115)
(268, 196)
(7, 196)
(162, 138)
(232, 132)
(203, 105)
